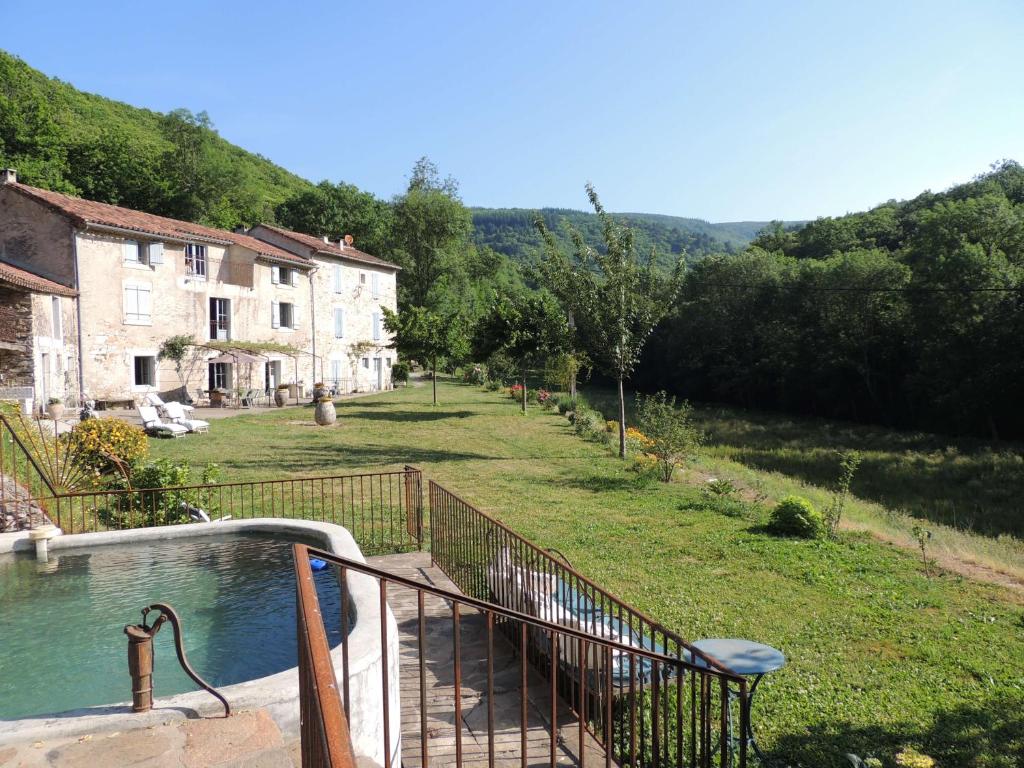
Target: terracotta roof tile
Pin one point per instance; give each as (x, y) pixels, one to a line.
(318, 245)
(33, 282)
(86, 212)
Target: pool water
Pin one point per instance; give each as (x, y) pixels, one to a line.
(62, 644)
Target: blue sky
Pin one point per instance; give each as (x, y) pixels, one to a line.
(724, 111)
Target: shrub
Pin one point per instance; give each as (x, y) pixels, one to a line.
(588, 423)
(516, 392)
(668, 431)
(501, 368)
(157, 497)
(796, 516)
(474, 374)
(100, 445)
(492, 385)
(564, 403)
(400, 373)
(646, 468)
(543, 396)
(531, 396)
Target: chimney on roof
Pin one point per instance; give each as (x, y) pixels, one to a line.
(8, 176)
(327, 239)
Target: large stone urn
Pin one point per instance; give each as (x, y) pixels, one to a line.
(280, 396)
(55, 409)
(325, 415)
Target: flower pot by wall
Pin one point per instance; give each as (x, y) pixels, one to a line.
(325, 414)
(280, 397)
(55, 410)
(319, 390)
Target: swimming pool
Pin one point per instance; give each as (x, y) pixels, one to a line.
(62, 644)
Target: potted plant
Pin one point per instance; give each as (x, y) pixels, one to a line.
(319, 390)
(281, 395)
(54, 408)
(325, 414)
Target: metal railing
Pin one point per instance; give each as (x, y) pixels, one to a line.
(382, 510)
(325, 738)
(484, 682)
(650, 724)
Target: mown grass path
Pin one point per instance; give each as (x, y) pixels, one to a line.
(879, 654)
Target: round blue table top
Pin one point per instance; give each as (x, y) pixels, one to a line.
(744, 657)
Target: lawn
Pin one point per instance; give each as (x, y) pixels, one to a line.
(880, 655)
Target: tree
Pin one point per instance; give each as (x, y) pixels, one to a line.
(526, 328)
(615, 299)
(197, 178)
(337, 210)
(420, 334)
(431, 228)
(670, 428)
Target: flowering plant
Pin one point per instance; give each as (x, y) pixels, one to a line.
(543, 396)
(516, 391)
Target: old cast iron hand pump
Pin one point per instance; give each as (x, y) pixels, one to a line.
(140, 657)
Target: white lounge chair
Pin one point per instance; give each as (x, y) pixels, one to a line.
(154, 399)
(152, 423)
(176, 413)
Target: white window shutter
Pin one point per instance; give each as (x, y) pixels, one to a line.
(339, 323)
(156, 253)
(275, 315)
(145, 305)
(375, 285)
(131, 250)
(275, 275)
(296, 316)
(376, 326)
(131, 302)
(337, 278)
(295, 276)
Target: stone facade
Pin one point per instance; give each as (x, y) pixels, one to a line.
(138, 287)
(353, 352)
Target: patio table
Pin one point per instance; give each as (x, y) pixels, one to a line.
(747, 658)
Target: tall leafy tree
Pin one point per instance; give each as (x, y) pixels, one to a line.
(427, 336)
(615, 297)
(431, 229)
(337, 210)
(527, 328)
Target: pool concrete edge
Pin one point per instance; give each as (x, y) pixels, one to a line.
(277, 693)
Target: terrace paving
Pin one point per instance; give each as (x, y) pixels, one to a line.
(440, 684)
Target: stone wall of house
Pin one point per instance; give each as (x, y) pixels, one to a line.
(357, 353)
(36, 238)
(55, 349)
(15, 338)
(180, 305)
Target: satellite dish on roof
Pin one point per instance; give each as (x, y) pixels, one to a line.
(349, 240)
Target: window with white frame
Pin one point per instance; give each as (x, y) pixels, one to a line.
(336, 372)
(283, 315)
(145, 370)
(220, 376)
(195, 260)
(375, 285)
(138, 304)
(338, 278)
(220, 319)
(376, 326)
(283, 275)
(132, 250)
(57, 320)
(339, 323)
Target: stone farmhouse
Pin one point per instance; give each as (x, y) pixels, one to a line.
(90, 291)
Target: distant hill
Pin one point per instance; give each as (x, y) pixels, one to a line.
(511, 231)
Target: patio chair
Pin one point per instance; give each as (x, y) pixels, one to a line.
(202, 396)
(153, 425)
(176, 413)
(154, 399)
(249, 398)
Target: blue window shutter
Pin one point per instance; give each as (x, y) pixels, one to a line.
(156, 253)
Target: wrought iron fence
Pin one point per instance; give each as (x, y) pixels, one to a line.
(666, 700)
(482, 682)
(325, 738)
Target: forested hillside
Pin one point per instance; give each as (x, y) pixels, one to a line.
(175, 164)
(511, 231)
(908, 314)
